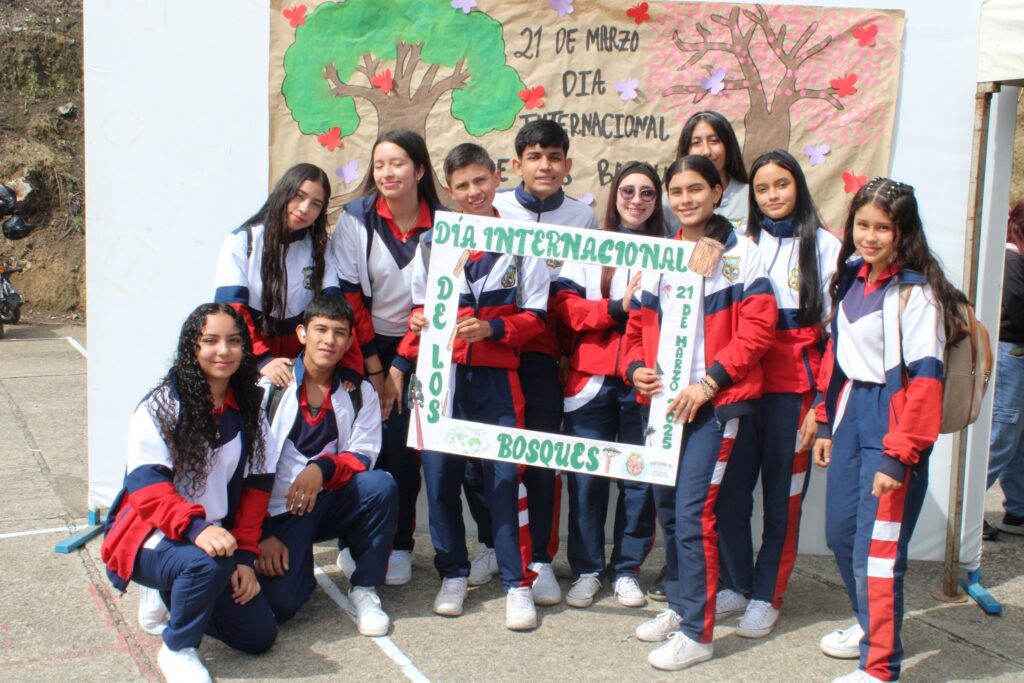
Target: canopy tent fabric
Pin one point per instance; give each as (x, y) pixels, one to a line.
(1001, 41)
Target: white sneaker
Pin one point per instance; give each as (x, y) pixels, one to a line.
(627, 590)
(370, 618)
(448, 602)
(729, 602)
(153, 614)
(658, 629)
(857, 676)
(520, 614)
(583, 590)
(843, 643)
(483, 568)
(399, 568)
(182, 666)
(758, 621)
(680, 652)
(546, 590)
(345, 563)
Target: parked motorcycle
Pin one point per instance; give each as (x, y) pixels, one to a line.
(10, 300)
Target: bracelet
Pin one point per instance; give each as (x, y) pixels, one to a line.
(379, 372)
(709, 391)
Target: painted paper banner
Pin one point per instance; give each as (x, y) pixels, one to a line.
(621, 77)
(431, 426)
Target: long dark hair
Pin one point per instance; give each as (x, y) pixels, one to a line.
(717, 227)
(723, 129)
(655, 223)
(182, 404)
(272, 217)
(416, 148)
(806, 222)
(910, 248)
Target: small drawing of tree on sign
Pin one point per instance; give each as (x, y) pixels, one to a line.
(401, 57)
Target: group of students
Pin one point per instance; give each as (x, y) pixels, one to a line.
(283, 420)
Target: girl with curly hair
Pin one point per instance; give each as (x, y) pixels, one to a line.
(198, 479)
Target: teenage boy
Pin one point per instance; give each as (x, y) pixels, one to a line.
(542, 159)
(502, 305)
(326, 488)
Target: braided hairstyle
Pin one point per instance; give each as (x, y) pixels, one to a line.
(272, 217)
(910, 248)
(806, 222)
(182, 404)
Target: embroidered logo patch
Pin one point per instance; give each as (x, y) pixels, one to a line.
(307, 277)
(509, 278)
(794, 280)
(552, 263)
(731, 267)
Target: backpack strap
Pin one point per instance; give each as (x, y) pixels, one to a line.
(248, 240)
(904, 297)
(273, 401)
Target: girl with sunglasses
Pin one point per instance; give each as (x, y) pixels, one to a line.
(593, 302)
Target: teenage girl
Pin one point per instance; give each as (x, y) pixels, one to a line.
(198, 478)
(800, 256)
(271, 267)
(882, 378)
(710, 135)
(734, 325)
(594, 302)
(374, 245)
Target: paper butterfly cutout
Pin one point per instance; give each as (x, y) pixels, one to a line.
(563, 7)
(296, 16)
(714, 82)
(865, 35)
(465, 5)
(331, 139)
(853, 182)
(587, 199)
(627, 89)
(816, 153)
(844, 86)
(349, 172)
(533, 97)
(638, 13)
(383, 81)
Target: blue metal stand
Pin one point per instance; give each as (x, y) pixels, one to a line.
(81, 538)
(972, 586)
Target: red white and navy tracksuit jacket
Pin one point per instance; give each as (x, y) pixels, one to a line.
(912, 375)
(493, 289)
(235, 496)
(359, 432)
(739, 325)
(239, 283)
(375, 264)
(558, 209)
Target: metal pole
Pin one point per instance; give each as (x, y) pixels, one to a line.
(972, 237)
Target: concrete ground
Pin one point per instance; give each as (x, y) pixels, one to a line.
(60, 620)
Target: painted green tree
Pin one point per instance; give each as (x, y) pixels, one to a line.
(401, 56)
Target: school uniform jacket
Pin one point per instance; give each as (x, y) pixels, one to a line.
(492, 289)
(912, 371)
(739, 326)
(235, 496)
(598, 324)
(375, 267)
(558, 209)
(358, 435)
(239, 283)
(793, 361)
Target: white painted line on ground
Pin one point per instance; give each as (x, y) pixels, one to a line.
(52, 530)
(78, 347)
(383, 642)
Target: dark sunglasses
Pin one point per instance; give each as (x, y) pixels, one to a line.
(647, 194)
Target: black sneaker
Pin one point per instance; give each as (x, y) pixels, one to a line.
(657, 591)
(1012, 524)
(988, 532)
